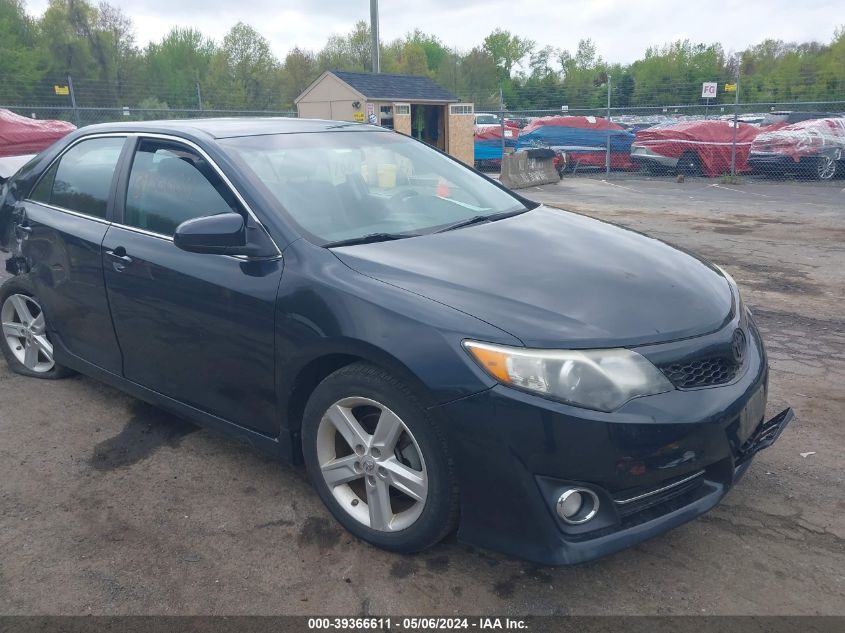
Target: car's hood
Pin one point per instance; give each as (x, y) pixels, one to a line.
(557, 279)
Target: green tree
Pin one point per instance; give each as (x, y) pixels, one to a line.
(24, 66)
(406, 57)
(673, 73)
(584, 74)
(95, 44)
(351, 51)
(300, 69)
(434, 50)
(244, 73)
(507, 50)
(65, 28)
(176, 64)
(120, 58)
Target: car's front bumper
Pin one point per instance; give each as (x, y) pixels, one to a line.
(771, 162)
(654, 464)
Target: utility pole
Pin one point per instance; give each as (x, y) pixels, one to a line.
(736, 118)
(607, 155)
(199, 97)
(374, 34)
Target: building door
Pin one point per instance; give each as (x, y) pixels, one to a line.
(428, 124)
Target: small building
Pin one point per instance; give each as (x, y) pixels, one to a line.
(410, 104)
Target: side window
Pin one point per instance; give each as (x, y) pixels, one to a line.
(81, 179)
(169, 184)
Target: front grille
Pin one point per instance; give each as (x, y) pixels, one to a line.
(701, 372)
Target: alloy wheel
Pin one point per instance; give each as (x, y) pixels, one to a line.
(372, 464)
(826, 168)
(25, 332)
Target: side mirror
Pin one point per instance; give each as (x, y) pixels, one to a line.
(223, 234)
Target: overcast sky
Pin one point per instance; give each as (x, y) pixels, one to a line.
(622, 29)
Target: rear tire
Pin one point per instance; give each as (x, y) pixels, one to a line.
(377, 460)
(24, 333)
(689, 164)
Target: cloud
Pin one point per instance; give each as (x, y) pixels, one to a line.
(621, 29)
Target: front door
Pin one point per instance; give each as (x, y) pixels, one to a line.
(198, 328)
(61, 227)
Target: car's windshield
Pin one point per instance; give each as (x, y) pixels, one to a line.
(345, 185)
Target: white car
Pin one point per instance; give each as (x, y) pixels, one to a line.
(486, 119)
(9, 165)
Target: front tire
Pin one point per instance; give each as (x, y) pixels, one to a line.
(25, 339)
(377, 460)
(826, 168)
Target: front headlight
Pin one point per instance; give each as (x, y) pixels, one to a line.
(602, 379)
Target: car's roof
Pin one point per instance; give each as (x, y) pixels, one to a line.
(234, 126)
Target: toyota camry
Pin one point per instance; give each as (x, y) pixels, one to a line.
(441, 353)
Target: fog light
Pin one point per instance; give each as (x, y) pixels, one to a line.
(569, 504)
(577, 505)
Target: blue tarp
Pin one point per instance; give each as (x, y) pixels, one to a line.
(488, 143)
(575, 139)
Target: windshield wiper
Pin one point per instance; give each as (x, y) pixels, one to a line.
(369, 239)
(480, 219)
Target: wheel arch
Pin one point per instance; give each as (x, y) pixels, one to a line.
(302, 381)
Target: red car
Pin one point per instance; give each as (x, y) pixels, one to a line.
(21, 138)
(695, 148)
(813, 148)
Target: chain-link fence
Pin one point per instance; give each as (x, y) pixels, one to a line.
(713, 138)
(88, 101)
(81, 116)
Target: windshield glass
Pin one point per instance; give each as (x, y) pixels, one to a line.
(340, 186)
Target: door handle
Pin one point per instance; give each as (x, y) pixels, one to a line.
(119, 257)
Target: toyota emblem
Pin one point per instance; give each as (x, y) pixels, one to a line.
(738, 345)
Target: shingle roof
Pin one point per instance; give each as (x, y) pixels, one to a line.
(387, 86)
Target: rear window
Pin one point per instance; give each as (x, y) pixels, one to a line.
(81, 179)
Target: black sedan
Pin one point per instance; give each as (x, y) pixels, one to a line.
(439, 351)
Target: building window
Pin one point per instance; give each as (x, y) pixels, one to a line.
(461, 108)
(403, 109)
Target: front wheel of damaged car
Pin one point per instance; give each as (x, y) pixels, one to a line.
(377, 460)
(825, 168)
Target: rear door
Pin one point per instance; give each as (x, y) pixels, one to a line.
(196, 327)
(61, 226)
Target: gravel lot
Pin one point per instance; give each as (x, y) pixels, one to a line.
(110, 506)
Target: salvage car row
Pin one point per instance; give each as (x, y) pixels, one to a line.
(806, 144)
